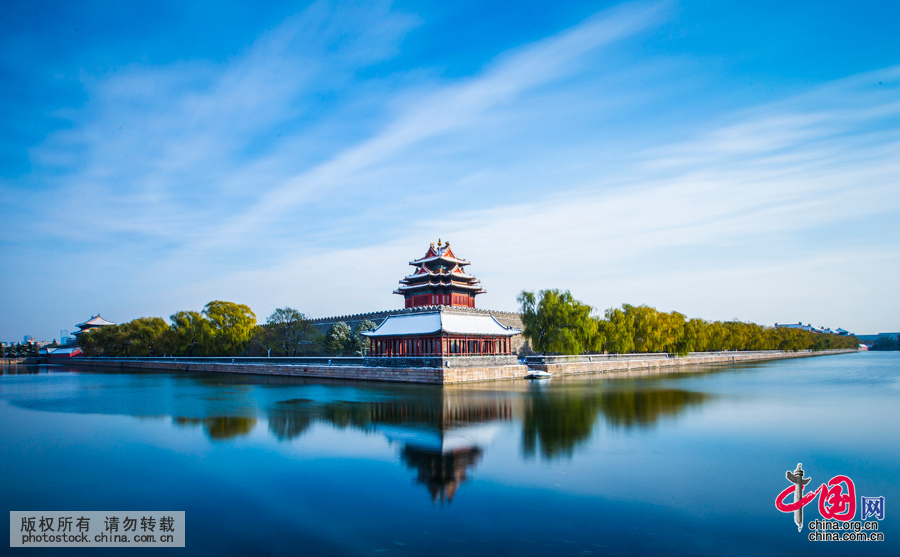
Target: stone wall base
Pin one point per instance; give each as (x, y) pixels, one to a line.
(429, 375)
(433, 375)
(609, 365)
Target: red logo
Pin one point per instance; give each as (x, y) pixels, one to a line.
(834, 503)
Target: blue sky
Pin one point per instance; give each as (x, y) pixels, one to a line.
(726, 160)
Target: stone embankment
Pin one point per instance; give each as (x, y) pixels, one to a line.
(610, 363)
(439, 371)
(17, 361)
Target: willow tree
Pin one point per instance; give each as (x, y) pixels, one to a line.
(148, 336)
(288, 330)
(655, 331)
(191, 333)
(617, 330)
(221, 329)
(556, 322)
(232, 324)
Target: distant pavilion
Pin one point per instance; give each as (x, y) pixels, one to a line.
(445, 324)
(94, 322)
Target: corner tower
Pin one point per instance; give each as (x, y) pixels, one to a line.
(439, 279)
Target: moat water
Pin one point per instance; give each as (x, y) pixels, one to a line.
(676, 464)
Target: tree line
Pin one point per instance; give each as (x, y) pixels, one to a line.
(886, 342)
(19, 350)
(225, 329)
(555, 322)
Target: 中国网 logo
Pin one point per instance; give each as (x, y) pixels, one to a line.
(837, 507)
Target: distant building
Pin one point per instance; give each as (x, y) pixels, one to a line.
(880, 339)
(869, 339)
(64, 338)
(92, 323)
(797, 325)
(810, 328)
(64, 352)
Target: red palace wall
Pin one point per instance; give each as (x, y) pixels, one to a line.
(440, 346)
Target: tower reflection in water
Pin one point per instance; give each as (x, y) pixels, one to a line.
(443, 433)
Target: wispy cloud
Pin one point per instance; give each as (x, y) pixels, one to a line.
(776, 189)
(447, 108)
(158, 150)
(306, 169)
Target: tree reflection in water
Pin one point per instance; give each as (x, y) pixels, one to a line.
(558, 421)
(290, 418)
(644, 408)
(220, 427)
(443, 432)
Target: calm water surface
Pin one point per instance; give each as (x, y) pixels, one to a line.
(657, 465)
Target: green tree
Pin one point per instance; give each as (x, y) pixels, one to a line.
(886, 342)
(288, 330)
(718, 336)
(87, 343)
(694, 337)
(738, 335)
(358, 343)
(192, 333)
(231, 325)
(146, 336)
(655, 331)
(618, 331)
(107, 341)
(557, 322)
(338, 339)
(672, 325)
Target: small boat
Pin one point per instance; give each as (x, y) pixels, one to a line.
(538, 374)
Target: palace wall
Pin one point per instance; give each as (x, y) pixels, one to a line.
(509, 319)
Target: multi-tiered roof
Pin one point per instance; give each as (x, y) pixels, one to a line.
(453, 328)
(93, 323)
(439, 280)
